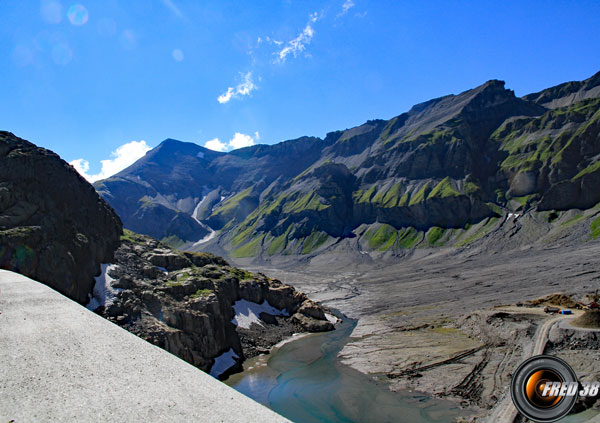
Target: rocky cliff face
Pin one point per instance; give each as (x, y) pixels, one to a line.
(53, 226)
(447, 171)
(186, 303)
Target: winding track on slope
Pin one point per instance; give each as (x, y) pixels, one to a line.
(506, 412)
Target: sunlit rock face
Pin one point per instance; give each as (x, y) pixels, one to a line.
(422, 178)
(198, 307)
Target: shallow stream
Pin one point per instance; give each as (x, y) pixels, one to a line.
(304, 381)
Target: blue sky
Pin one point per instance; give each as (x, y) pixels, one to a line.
(91, 80)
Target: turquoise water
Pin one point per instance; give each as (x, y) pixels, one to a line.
(305, 382)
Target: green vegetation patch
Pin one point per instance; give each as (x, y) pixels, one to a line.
(392, 196)
(523, 200)
(383, 238)
(590, 169)
(242, 274)
(314, 241)
(408, 237)
(251, 249)
(309, 201)
(232, 203)
(420, 196)
(480, 232)
(472, 188)
(434, 234)
(173, 241)
(443, 189)
(279, 243)
(572, 220)
(201, 293)
(595, 228)
(183, 276)
(131, 236)
(361, 196)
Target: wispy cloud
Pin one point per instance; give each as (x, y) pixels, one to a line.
(239, 140)
(173, 8)
(123, 157)
(269, 40)
(242, 89)
(298, 44)
(348, 4)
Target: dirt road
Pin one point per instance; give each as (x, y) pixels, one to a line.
(506, 412)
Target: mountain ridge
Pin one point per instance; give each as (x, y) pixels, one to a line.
(447, 164)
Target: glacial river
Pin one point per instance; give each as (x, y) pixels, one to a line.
(304, 381)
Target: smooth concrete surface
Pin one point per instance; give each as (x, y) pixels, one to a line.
(60, 362)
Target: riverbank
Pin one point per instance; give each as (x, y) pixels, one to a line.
(422, 310)
(305, 381)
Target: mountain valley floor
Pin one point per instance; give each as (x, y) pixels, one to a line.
(446, 321)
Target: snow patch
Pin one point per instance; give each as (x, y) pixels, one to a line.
(223, 362)
(294, 337)
(103, 293)
(512, 216)
(208, 237)
(200, 155)
(247, 312)
(331, 318)
(211, 233)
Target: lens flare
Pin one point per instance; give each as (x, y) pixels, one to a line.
(51, 11)
(177, 55)
(77, 14)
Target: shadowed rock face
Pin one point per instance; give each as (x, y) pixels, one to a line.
(54, 227)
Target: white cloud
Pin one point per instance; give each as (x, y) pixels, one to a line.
(269, 40)
(239, 140)
(348, 4)
(173, 8)
(123, 157)
(298, 44)
(215, 145)
(243, 88)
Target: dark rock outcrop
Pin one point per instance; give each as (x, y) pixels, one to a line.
(54, 227)
(183, 302)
